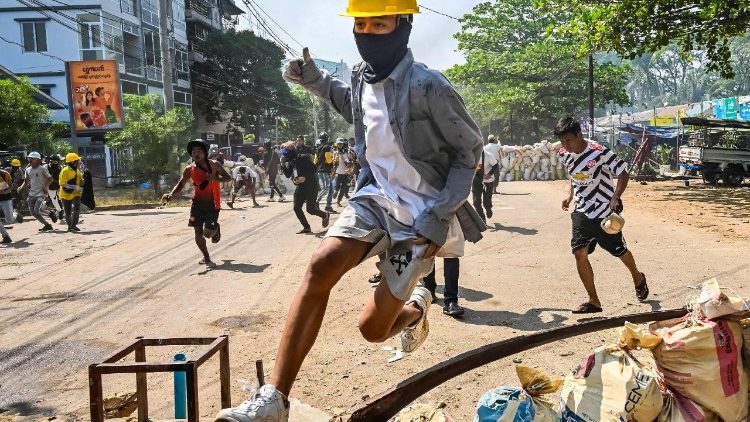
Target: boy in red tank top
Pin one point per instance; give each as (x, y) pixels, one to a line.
(207, 176)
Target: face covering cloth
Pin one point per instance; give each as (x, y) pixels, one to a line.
(383, 52)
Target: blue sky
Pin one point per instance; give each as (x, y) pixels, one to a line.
(316, 24)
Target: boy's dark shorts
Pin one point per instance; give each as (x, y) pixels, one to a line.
(204, 218)
(587, 233)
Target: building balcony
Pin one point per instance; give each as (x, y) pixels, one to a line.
(202, 12)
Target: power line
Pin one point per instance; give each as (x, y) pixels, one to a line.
(23, 46)
(252, 10)
(439, 13)
(277, 24)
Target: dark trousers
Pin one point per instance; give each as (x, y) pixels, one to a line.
(450, 272)
(72, 209)
(482, 193)
(272, 184)
(341, 185)
(307, 194)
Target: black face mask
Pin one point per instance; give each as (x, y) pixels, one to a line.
(383, 52)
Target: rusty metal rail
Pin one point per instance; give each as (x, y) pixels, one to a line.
(390, 403)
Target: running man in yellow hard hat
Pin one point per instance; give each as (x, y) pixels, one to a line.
(71, 189)
(418, 148)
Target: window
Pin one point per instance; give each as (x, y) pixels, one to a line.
(132, 49)
(178, 14)
(183, 98)
(150, 11)
(198, 31)
(153, 55)
(181, 62)
(128, 6)
(134, 88)
(34, 36)
(101, 37)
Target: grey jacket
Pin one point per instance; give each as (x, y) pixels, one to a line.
(436, 133)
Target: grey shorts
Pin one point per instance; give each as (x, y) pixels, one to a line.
(401, 262)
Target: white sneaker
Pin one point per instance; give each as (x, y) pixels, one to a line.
(269, 405)
(413, 337)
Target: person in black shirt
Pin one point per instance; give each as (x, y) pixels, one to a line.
(271, 162)
(53, 167)
(301, 170)
(324, 161)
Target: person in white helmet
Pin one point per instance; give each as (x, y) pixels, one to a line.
(39, 180)
(412, 192)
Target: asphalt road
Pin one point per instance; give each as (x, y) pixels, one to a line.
(67, 300)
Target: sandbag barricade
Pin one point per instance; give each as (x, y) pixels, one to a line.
(525, 404)
(540, 161)
(678, 408)
(611, 386)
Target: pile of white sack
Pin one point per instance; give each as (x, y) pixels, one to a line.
(540, 161)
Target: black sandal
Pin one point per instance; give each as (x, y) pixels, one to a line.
(641, 292)
(375, 279)
(216, 237)
(587, 308)
(304, 231)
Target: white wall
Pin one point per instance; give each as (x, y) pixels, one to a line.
(62, 42)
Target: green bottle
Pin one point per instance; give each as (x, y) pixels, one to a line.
(110, 114)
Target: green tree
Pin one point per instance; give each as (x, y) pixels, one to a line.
(240, 82)
(635, 27)
(24, 121)
(152, 136)
(514, 67)
(304, 123)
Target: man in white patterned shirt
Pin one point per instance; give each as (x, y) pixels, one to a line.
(591, 167)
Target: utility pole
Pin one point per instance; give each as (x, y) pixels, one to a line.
(166, 59)
(511, 127)
(315, 116)
(591, 96)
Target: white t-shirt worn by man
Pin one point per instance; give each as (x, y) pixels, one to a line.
(343, 162)
(38, 178)
(249, 174)
(401, 191)
(489, 162)
(494, 150)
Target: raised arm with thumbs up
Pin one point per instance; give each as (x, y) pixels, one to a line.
(302, 70)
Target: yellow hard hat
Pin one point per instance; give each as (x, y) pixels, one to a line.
(372, 8)
(72, 156)
(15, 162)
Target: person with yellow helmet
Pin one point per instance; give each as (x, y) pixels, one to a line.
(17, 195)
(71, 189)
(418, 149)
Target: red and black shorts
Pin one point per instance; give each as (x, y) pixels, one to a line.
(203, 217)
(588, 232)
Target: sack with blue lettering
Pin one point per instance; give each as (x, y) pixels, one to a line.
(525, 404)
(611, 386)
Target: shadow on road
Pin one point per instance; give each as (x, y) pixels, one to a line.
(20, 244)
(470, 295)
(511, 229)
(531, 320)
(230, 265)
(144, 213)
(88, 233)
(25, 408)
